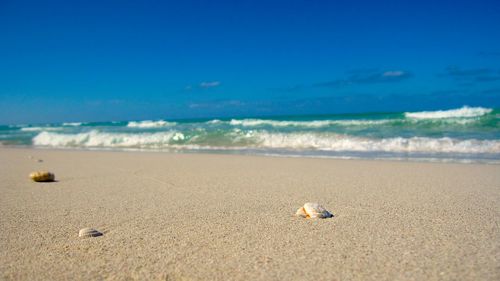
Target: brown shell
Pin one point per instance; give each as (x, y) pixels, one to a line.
(42, 176)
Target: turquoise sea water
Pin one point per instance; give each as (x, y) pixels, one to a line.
(467, 134)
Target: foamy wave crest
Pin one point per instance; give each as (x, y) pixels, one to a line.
(311, 124)
(238, 139)
(75, 124)
(215, 121)
(35, 129)
(332, 142)
(150, 124)
(452, 113)
(107, 140)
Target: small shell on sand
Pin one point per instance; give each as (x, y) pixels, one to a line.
(42, 176)
(88, 232)
(313, 210)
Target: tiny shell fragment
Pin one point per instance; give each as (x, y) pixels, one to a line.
(88, 232)
(313, 210)
(301, 212)
(42, 176)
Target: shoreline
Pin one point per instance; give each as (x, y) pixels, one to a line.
(480, 161)
(182, 216)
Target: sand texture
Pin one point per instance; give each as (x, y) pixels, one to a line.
(227, 217)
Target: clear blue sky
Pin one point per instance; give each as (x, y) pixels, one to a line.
(126, 60)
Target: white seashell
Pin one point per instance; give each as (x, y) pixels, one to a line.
(313, 210)
(89, 232)
(42, 176)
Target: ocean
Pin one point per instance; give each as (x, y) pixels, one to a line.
(467, 134)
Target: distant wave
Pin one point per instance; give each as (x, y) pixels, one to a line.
(72, 124)
(311, 124)
(215, 121)
(452, 113)
(35, 129)
(267, 140)
(431, 117)
(150, 124)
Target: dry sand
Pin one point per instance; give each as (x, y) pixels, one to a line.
(227, 217)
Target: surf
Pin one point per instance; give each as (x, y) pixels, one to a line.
(463, 112)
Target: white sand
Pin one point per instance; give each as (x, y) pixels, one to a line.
(222, 217)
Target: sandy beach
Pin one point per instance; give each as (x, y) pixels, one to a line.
(231, 217)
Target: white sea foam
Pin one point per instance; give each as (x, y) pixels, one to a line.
(150, 124)
(452, 113)
(75, 124)
(35, 129)
(311, 124)
(414, 144)
(266, 140)
(215, 121)
(331, 142)
(178, 137)
(105, 140)
(444, 121)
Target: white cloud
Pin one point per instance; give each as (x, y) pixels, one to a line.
(393, 73)
(210, 84)
(217, 104)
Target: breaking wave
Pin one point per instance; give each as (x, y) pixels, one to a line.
(333, 142)
(150, 124)
(74, 124)
(311, 124)
(36, 129)
(105, 140)
(464, 112)
(267, 141)
(470, 133)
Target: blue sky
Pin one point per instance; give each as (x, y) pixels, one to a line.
(129, 60)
